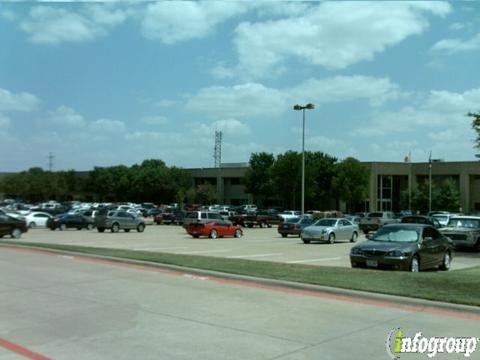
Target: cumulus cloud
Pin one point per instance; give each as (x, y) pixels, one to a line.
(54, 25)
(67, 117)
(443, 110)
(174, 21)
(227, 126)
(255, 100)
(457, 45)
(4, 122)
(108, 126)
(238, 101)
(334, 35)
(346, 88)
(154, 120)
(17, 102)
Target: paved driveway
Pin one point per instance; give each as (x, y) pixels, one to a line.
(256, 244)
(65, 307)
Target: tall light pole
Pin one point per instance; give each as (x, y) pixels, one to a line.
(299, 107)
(430, 182)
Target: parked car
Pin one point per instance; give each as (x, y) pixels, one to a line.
(214, 229)
(284, 215)
(170, 217)
(119, 220)
(37, 218)
(331, 230)
(202, 217)
(375, 220)
(12, 226)
(410, 247)
(421, 219)
(67, 221)
(294, 226)
(443, 217)
(464, 231)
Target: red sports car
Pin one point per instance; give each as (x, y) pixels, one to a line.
(214, 230)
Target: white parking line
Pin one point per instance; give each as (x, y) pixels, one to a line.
(312, 260)
(203, 251)
(254, 255)
(161, 248)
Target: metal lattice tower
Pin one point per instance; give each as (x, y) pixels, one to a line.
(50, 161)
(217, 150)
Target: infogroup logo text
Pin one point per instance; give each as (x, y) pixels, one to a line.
(398, 343)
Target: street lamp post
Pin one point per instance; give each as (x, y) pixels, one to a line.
(299, 107)
(430, 182)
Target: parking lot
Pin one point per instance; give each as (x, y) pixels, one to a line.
(257, 244)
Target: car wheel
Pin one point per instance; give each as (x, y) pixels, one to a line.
(365, 232)
(415, 264)
(331, 238)
(115, 228)
(126, 230)
(447, 261)
(16, 233)
(238, 233)
(354, 237)
(100, 229)
(32, 225)
(52, 228)
(63, 227)
(89, 227)
(140, 227)
(213, 234)
(306, 241)
(284, 235)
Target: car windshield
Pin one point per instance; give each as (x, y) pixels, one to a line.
(192, 215)
(326, 222)
(465, 223)
(375, 215)
(292, 220)
(396, 234)
(441, 217)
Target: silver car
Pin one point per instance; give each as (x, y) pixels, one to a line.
(330, 230)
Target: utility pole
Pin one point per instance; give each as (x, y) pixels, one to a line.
(218, 163)
(430, 182)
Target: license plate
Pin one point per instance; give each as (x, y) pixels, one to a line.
(372, 263)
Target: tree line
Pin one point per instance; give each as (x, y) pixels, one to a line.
(327, 180)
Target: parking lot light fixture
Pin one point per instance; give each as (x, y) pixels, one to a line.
(297, 107)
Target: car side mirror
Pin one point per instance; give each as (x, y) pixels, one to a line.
(427, 239)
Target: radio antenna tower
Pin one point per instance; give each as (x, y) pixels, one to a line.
(50, 161)
(217, 150)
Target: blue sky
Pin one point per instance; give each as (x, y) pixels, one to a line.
(100, 84)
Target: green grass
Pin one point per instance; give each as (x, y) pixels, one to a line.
(459, 286)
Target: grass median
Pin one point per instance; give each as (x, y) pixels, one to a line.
(458, 286)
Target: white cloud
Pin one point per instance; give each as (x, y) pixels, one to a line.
(174, 21)
(227, 126)
(67, 117)
(257, 100)
(346, 88)
(54, 25)
(437, 110)
(456, 26)
(239, 101)
(17, 102)
(334, 35)
(154, 120)
(457, 45)
(4, 122)
(107, 126)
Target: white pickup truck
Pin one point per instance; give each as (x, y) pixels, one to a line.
(288, 214)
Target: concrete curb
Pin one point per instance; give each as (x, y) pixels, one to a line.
(338, 292)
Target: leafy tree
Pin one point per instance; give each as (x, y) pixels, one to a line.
(447, 197)
(476, 126)
(319, 175)
(206, 194)
(286, 175)
(351, 181)
(258, 177)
